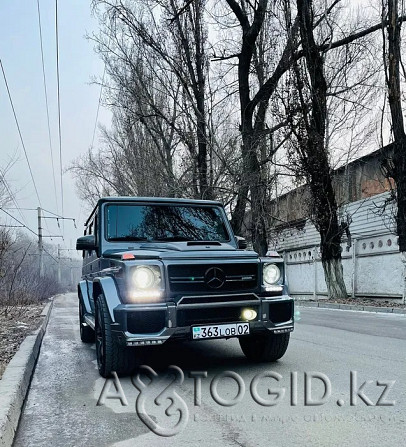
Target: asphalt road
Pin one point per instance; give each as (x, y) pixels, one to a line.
(62, 410)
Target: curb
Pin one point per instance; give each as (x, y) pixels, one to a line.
(17, 378)
(359, 307)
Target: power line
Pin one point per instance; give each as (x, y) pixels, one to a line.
(98, 107)
(59, 100)
(46, 101)
(19, 132)
(54, 214)
(11, 194)
(49, 254)
(25, 226)
(24, 148)
(24, 209)
(57, 216)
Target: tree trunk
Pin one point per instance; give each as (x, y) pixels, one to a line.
(400, 178)
(238, 215)
(251, 175)
(200, 94)
(258, 194)
(326, 221)
(398, 172)
(315, 159)
(192, 41)
(333, 273)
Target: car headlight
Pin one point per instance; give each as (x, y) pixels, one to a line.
(146, 277)
(271, 273)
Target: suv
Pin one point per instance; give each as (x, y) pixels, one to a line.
(159, 269)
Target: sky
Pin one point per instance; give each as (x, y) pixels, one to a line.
(79, 65)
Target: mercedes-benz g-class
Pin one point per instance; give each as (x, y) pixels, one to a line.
(159, 269)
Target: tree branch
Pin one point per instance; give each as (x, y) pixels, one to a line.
(181, 11)
(239, 13)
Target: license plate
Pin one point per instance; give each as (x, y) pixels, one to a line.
(220, 330)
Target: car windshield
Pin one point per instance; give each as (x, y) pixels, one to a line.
(161, 222)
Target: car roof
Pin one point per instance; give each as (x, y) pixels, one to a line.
(157, 200)
(115, 199)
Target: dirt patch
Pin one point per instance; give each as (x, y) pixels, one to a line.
(14, 327)
(378, 302)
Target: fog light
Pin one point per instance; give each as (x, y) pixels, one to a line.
(248, 314)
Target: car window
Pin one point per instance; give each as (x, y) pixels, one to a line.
(158, 222)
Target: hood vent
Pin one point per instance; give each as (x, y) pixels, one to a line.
(202, 243)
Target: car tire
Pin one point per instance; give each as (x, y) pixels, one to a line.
(266, 347)
(112, 356)
(86, 332)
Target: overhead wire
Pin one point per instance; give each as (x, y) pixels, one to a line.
(46, 102)
(48, 125)
(59, 104)
(59, 111)
(25, 226)
(22, 142)
(25, 152)
(24, 209)
(19, 132)
(12, 196)
(54, 214)
(49, 254)
(98, 107)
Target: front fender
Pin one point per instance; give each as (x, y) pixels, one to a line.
(83, 292)
(107, 286)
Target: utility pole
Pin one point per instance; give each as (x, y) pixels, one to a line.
(40, 245)
(59, 264)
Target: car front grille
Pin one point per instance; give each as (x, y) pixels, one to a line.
(194, 278)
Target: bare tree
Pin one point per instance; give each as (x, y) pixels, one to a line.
(311, 138)
(179, 42)
(20, 284)
(396, 166)
(254, 103)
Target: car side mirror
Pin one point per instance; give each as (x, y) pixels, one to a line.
(86, 243)
(241, 242)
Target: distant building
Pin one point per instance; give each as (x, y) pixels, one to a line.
(371, 261)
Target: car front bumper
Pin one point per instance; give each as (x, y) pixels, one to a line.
(154, 324)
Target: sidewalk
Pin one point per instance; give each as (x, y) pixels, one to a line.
(358, 305)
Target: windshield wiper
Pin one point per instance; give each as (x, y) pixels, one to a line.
(128, 238)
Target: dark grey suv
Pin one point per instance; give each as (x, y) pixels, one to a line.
(157, 269)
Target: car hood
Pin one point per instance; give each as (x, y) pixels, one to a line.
(181, 250)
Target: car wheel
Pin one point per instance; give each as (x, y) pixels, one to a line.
(266, 347)
(86, 332)
(111, 356)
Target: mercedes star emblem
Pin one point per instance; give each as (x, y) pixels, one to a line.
(214, 277)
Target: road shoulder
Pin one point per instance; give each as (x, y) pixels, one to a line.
(16, 380)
